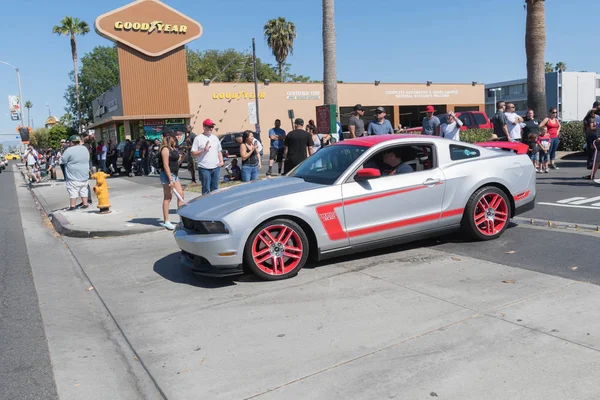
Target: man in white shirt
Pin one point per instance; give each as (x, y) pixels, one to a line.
(514, 122)
(207, 149)
(30, 159)
(450, 128)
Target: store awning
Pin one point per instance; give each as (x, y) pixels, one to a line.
(137, 118)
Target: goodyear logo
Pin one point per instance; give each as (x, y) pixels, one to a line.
(154, 26)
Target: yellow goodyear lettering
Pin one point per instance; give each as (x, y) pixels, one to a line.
(127, 26)
(221, 95)
(167, 28)
(136, 26)
(227, 95)
(183, 29)
(118, 25)
(175, 29)
(145, 26)
(215, 96)
(261, 96)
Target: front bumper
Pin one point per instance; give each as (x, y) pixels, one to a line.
(201, 253)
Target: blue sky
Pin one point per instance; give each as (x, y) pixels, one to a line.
(390, 40)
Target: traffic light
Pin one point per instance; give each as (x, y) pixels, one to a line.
(24, 132)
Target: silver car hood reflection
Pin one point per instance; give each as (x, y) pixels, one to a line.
(216, 205)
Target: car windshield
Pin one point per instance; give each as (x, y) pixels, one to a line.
(326, 165)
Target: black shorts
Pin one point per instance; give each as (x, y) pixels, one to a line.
(276, 154)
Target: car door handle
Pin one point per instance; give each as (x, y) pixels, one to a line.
(431, 181)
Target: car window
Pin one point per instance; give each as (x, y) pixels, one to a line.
(465, 119)
(227, 139)
(328, 164)
(479, 119)
(462, 152)
(402, 159)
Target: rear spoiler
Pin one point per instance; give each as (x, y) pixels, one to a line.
(519, 148)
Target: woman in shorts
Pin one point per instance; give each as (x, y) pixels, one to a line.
(168, 166)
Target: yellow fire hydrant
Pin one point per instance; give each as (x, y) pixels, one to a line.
(101, 190)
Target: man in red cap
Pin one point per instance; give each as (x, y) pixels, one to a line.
(207, 149)
(431, 123)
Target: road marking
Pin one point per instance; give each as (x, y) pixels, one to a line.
(569, 206)
(570, 200)
(579, 202)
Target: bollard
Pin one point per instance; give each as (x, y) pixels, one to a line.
(101, 190)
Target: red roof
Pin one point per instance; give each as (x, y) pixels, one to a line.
(370, 141)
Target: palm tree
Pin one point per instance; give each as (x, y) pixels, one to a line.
(28, 106)
(548, 67)
(329, 54)
(535, 47)
(72, 27)
(280, 35)
(560, 66)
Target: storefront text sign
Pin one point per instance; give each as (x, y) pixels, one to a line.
(148, 26)
(237, 95)
(304, 95)
(422, 94)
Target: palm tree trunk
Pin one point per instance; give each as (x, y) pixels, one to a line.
(28, 119)
(281, 71)
(535, 47)
(74, 54)
(329, 54)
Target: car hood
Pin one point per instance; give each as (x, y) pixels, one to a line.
(224, 201)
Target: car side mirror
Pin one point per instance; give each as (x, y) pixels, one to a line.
(367, 173)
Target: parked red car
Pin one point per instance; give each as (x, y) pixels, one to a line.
(470, 120)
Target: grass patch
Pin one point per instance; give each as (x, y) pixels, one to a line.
(198, 188)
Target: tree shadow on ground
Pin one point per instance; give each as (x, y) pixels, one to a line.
(146, 221)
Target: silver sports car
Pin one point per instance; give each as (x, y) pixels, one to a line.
(356, 195)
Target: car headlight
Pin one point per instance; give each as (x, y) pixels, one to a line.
(204, 227)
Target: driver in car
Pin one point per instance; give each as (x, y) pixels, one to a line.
(397, 161)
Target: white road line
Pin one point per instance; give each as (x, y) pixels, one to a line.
(590, 200)
(569, 206)
(570, 200)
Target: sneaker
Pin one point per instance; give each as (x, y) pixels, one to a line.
(269, 173)
(537, 170)
(85, 207)
(546, 171)
(168, 225)
(553, 166)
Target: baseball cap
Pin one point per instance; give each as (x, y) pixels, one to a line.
(381, 109)
(358, 107)
(299, 121)
(74, 138)
(208, 122)
(429, 109)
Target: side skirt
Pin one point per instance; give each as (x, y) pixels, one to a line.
(324, 255)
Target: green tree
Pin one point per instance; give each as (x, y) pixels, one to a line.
(560, 67)
(28, 106)
(548, 67)
(329, 54)
(72, 27)
(535, 47)
(280, 35)
(226, 66)
(40, 138)
(99, 72)
(1, 148)
(57, 133)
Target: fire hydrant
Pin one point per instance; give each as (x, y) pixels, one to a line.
(101, 190)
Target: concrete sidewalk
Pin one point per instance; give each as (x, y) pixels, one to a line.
(135, 208)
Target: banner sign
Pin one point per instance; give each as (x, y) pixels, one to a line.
(15, 108)
(252, 113)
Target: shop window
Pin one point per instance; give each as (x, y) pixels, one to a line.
(418, 156)
(462, 152)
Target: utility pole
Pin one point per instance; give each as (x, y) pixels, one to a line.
(255, 87)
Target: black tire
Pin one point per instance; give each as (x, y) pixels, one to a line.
(291, 260)
(480, 222)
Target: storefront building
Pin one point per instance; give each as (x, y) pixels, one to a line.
(154, 93)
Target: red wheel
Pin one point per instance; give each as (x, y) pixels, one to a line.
(487, 213)
(277, 250)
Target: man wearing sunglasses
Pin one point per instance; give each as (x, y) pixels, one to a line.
(380, 126)
(207, 148)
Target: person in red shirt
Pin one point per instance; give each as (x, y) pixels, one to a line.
(553, 124)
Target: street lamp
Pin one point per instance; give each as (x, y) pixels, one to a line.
(495, 90)
(20, 93)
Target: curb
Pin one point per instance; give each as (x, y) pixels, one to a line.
(63, 227)
(557, 224)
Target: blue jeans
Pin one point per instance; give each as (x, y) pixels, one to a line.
(209, 178)
(249, 173)
(553, 147)
(102, 165)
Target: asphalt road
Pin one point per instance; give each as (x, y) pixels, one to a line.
(25, 370)
(562, 195)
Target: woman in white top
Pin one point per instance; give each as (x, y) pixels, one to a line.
(450, 128)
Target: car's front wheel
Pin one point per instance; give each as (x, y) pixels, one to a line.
(487, 214)
(277, 249)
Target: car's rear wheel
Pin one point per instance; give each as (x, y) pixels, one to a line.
(276, 250)
(487, 214)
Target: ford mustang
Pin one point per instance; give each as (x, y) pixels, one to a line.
(353, 196)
